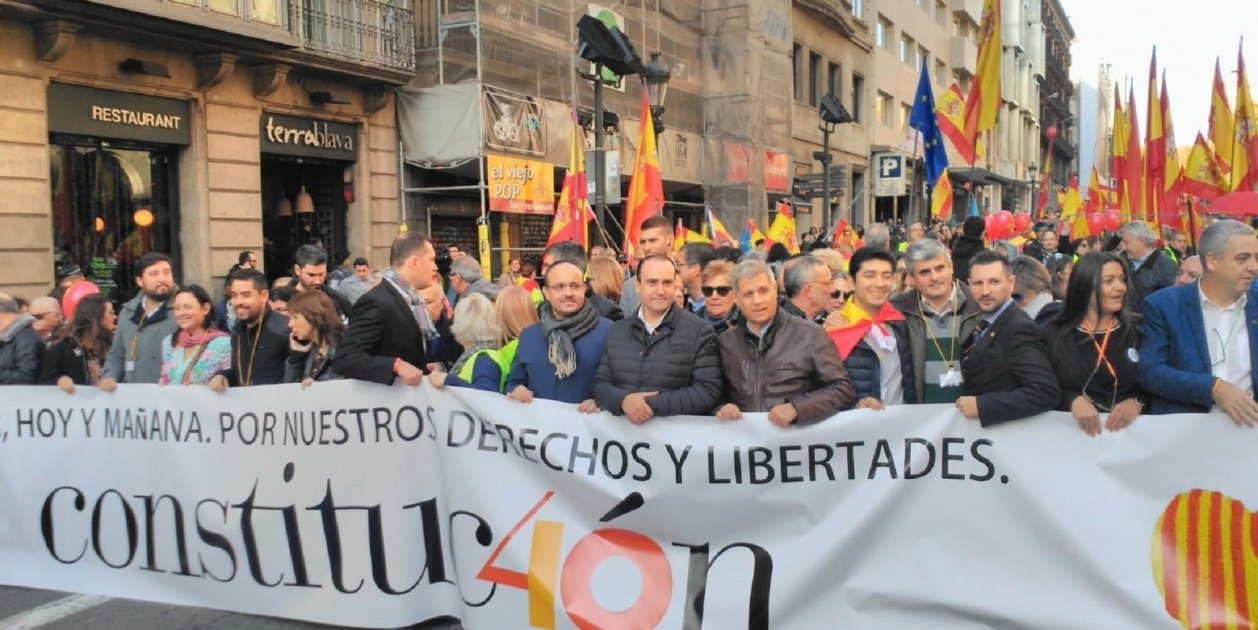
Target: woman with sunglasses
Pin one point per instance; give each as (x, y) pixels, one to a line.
(1093, 343)
(718, 295)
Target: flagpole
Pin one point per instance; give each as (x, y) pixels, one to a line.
(913, 192)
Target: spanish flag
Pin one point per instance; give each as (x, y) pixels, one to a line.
(1222, 127)
(783, 228)
(1245, 150)
(941, 198)
(572, 213)
(983, 103)
(1203, 177)
(646, 189)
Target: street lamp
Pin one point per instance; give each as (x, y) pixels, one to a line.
(1031, 171)
(832, 114)
(655, 78)
(606, 47)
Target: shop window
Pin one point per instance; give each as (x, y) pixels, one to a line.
(109, 206)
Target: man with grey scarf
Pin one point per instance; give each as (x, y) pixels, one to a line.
(558, 357)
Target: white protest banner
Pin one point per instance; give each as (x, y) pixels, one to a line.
(357, 504)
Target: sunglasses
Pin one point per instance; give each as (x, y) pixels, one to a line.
(840, 295)
(721, 291)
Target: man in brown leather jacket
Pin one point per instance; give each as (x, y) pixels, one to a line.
(777, 363)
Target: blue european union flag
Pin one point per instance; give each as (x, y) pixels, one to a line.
(923, 119)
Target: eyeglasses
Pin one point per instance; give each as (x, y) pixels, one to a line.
(574, 287)
(840, 295)
(721, 291)
(41, 315)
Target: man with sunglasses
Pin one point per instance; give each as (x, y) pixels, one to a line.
(694, 257)
(47, 314)
(662, 360)
(940, 316)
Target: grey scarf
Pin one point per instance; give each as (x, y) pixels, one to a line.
(560, 333)
(426, 325)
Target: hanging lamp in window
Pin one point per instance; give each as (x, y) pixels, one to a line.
(305, 204)
(284, 208)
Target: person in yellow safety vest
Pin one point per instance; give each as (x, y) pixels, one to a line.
(481, 365)
(514, 311)
(916, 233)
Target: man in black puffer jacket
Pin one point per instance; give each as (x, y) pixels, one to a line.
(874, 343)
(661, 360)
(969, 243)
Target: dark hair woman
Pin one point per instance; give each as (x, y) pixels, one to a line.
(1093, 343)
(194, 353)
(315, 328)
(77, 351)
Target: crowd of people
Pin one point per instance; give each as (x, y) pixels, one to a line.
(1108, 329)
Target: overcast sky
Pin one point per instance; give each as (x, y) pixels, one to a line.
(1188, 35)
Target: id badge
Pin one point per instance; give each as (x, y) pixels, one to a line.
(130, 366)
(951, 378)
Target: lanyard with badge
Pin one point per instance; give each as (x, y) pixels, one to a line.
(129, 367)
(245, 374)
(1102, 359)
(951, 378)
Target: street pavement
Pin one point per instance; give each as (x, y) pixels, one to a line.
(23, 608)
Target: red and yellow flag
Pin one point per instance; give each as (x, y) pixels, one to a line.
(646, 188)
(950, 112)
(1135, 162)
(1096, 198)
(1118, 154)
(1222, 127)
(1202, 176)
(1154, 150)
(1245, 148)
(983, 102)
(783, 228)
(683, 235)
(572, 213)
(941, 198)
(1047, 182)
(1173, 179)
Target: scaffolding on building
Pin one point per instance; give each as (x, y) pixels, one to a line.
(728, 101)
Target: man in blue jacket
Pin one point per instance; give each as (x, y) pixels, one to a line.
(558, 356)
(1199, 341)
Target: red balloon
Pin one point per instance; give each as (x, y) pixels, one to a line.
(1002, 225)
(75, 294)
(1021, 222)
(1113, 220)
(1096, 222)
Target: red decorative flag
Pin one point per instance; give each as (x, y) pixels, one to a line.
(646, 189)
(1173, 182)
(1096, 198)
(572, 213)
(1202, 177)
(1222, 126)
(1118, 154)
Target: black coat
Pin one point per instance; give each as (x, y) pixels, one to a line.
(265, 365)
(963, 249)
(1157, 272)
(301, 365)
(681, 361)
(865, 369)
(1076, 365)
(66, 358)
(1009, 370)
(382, 328)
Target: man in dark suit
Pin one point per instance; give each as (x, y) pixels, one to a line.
(1199, 341)
(1151, 269)
(1004, 362)
(260, 337)
(385, 338)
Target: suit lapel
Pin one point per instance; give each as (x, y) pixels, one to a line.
(1191, 310)
(989, 336)
(1251, 325)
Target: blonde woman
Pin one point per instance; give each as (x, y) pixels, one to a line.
(606, 277)
(514, 311)
(481, 365)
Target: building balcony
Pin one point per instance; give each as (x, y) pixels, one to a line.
(964, 55)
(365, 31)
(970, 10)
